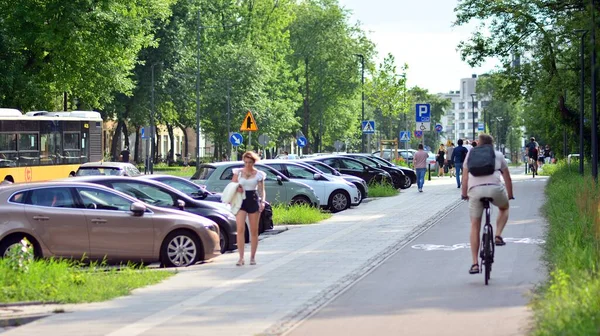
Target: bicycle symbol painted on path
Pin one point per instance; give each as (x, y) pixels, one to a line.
(433, 247)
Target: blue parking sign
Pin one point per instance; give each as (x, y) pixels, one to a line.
(423, 113)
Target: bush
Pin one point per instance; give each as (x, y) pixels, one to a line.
(297, 214)
(569, 303)
(382, 190)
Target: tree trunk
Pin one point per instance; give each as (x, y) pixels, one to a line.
(126, 134)
(185, 140)
(171, 152)
(114, 150)
(136, 149)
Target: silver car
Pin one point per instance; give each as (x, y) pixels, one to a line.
(77, 219)
(279, 189)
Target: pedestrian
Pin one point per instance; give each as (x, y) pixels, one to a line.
(458, 157)
(441, 158)
(420, 165)
(474, 144)
(224, 157)
(548, 154)
(468, 145)
(125, 154)
(251, 184)
(8, 179)
(449, 163)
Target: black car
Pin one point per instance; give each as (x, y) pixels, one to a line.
(360, 184)
(410, 173)
(161, 195)
(198, 192)
(399, 179)
(350, 166)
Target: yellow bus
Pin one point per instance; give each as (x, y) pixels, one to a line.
(42, 145)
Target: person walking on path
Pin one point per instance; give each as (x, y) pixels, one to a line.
(441, 155)
(251, 182)
(448, 162)
(420, 164)
(458, 156)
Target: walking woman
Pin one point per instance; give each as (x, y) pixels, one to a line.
(251, 182)
(441, 159)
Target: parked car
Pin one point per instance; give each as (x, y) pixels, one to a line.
(215, 177)
(361, 185)
(410, 174)
(107, 168)
(399, 180)
(69, 219)
(199, 192)
(161, 195)
(336, 193)
(182, 184)
(350, 166)
(406, 154)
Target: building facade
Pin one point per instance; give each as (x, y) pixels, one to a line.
(465, 111)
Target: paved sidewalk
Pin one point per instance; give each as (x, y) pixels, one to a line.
(297, 272)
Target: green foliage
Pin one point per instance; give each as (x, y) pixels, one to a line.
(569, 303)
(19, 257)
(382, 190)
(297, 214)
(66, 281)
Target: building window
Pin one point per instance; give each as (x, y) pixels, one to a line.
(461, 105)
(461, 116)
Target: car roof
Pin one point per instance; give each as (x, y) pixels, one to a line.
(104, 164)
(68, 182)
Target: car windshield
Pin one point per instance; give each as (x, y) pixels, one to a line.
(203, 173)
(89, 171)
(183, 186)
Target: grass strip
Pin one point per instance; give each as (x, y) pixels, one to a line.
(569, 302)
(382, 190)
(297, 214)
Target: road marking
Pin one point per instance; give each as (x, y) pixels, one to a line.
(433, 247)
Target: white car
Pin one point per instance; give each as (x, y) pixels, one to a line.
(336, 193)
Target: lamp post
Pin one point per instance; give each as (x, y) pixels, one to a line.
(473, 112)
(594, 116)
(583, 32)
(150, 148)
(362, 61)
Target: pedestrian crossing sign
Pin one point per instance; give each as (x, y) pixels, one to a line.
(368, 126)
(404, 136)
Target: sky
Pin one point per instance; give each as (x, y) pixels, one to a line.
(418, 33)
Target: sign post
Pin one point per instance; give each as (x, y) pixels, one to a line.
(368, 128)
(249, 125)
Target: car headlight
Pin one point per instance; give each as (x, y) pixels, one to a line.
(212, 227)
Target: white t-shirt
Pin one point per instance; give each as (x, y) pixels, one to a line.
(495, 178)
(468, 147)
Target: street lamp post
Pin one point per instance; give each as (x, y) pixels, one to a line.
(473, 112)
(594, 116)
(362, 61)
(581, 97)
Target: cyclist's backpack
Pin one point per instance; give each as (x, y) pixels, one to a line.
(482, 160)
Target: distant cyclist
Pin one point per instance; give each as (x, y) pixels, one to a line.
(483, 171)
(533, 151)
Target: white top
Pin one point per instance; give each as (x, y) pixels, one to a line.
(249, 183)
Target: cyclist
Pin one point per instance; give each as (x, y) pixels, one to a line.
(533, 151)
(476, 187)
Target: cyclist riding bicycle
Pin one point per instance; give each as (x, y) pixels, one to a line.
(533, 151)
(483, 170)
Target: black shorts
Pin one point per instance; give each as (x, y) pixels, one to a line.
(250, 204)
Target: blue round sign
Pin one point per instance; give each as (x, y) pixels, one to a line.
(301, 141)
(439, 127)
(236, 139)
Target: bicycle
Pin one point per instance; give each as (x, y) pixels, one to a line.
(533, 165)
(487, 247)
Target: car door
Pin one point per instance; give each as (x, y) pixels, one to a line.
(114, 231)
(59, 221)
(275, 188)
(354, 168)
(306, 176)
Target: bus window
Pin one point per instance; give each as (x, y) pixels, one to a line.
(28, 149)
(71, 147)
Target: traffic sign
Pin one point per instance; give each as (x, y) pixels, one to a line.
(263, 139)
(404, 136)
(419, 134)
(236, 139)
(143, 133)
(338, 145)
(249, 123)
(439, 127)
(480, 127)
(368, 126)
(423, 113)
(424, 126)
(301, 141)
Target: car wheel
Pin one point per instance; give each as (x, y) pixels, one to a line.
(361, 193)
(407, 183)
(397, 182)
(181, 248)
(15, 240)
(223, 235)
(300, 200)
(338, 201)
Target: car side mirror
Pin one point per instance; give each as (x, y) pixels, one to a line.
(137, 208)
(279, 180)
(180, 204)
(317, 176)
